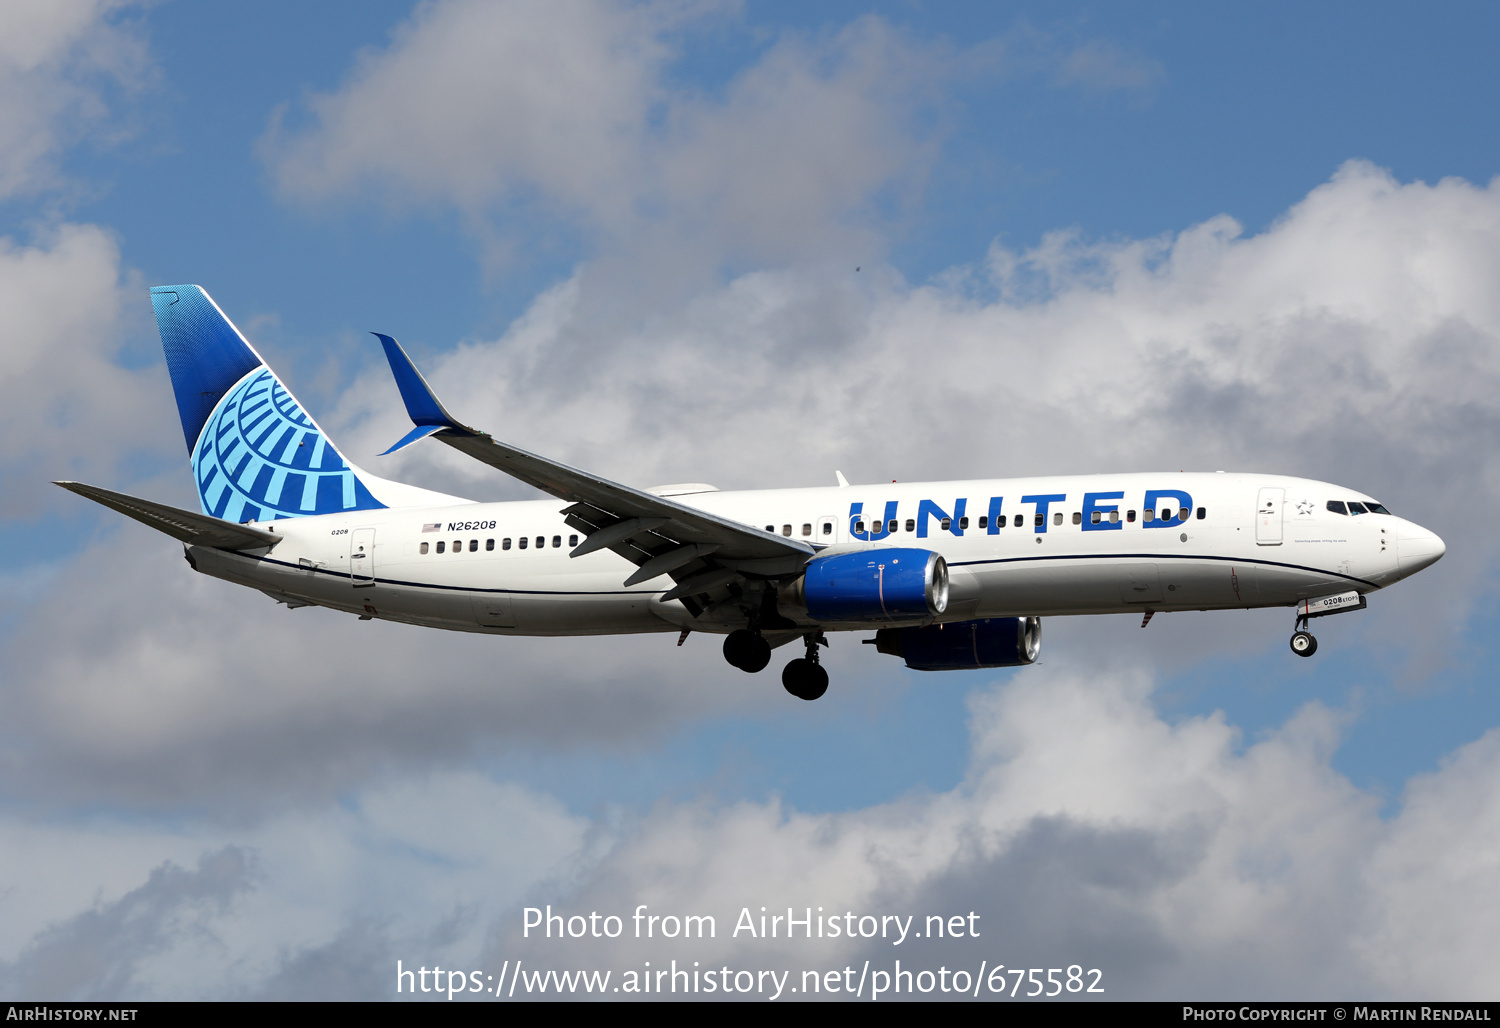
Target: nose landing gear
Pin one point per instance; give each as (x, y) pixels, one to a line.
(1303, 643)
(804, 677)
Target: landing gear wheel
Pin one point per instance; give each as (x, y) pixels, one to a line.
(1303, 644)
(805, 679)
(747, 650)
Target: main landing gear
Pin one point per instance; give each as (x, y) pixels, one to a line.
(804, 677)
(1303, 643)
(747, 650)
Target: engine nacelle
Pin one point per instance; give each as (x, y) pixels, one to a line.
(965, 645)
(873, 585)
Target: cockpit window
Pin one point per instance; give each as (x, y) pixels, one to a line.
(1376, 508)
(1355, 507)
(1337, 506)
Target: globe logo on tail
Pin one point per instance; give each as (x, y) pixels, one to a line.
(260, 457)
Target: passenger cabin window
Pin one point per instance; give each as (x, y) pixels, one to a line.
(1078, 517)
(1148, 514)
(1021, 521)
(458, 546)
(489, 544)
(1130, 516)
(523, 542)
(440, 547)
(541, 541)
(1202, 513)
(473, 545)
(424, 548)
(963, 523)
(1114, 517)
(807, 529)
(505, 544)
(556, 541)
(828, 528)
(984, 521)
(875, 527)
(911, 524)
(947, 524)
(786, 530)
(770, 528)
(1057, 517)
(572, 540)
(859, 526)
(1096, 517)
(1182, 515)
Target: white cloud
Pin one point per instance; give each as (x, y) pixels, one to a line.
(473, 101)
(1438, 870)
(68, 408)
(157, 688)
(1090, 831)
(1103, 65)
(67, 405)
(536, 120)
(311, 903)
(1087, 831)
(515, 111)
(61, 64)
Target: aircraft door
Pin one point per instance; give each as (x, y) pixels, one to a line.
(495, 609)
(826, 530)
(1268, 516)
(362, 557)
(1139, 583)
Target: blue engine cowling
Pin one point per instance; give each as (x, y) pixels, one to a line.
(887, 584)
(965, 645)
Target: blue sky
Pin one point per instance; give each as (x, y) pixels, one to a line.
(1089, 238)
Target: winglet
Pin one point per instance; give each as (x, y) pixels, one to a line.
(420, 432)
(422, 405)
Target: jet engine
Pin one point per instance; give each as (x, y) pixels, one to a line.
(965, 645)
(872, 585)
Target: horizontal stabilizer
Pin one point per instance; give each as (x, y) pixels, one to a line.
(182, 525)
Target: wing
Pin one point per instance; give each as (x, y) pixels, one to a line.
(183, 525)
(706, 555)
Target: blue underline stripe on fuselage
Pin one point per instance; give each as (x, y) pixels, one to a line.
(1161, 556)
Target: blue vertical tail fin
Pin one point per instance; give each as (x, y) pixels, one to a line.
(256, 454)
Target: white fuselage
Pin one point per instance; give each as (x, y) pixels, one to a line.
(1260, 541)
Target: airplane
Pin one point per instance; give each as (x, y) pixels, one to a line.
(948, 575)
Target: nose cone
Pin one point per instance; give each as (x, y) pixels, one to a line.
(1417, 548)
